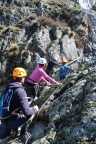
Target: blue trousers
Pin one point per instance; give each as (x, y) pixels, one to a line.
(11, 124)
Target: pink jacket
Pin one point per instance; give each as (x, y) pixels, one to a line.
(39, 75)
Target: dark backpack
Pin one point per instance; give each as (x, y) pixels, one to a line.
(64, 71)
(5, 100)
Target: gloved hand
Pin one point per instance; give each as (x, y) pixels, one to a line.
(59, 83)
(36, 108)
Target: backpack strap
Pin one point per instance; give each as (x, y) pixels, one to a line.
(7, 98)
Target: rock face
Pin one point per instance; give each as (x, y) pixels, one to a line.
(71, 116)
(38, 41)
(61, 33)
(92, 41)
(72, 113)
(42, 35)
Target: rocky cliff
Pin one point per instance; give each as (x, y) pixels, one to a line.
(59, 32)
(56, 30)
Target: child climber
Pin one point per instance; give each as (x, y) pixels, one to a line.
(40, 76)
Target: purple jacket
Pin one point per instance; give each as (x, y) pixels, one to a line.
(20, 100)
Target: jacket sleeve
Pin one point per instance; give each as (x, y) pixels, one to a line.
(24, 104)
(48, 78)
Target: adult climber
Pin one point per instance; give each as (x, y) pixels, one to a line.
(64, 70)
(15, 109)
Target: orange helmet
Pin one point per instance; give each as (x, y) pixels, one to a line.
(19, 72)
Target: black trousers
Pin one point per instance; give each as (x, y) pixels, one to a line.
(10, 124)
(32, 90)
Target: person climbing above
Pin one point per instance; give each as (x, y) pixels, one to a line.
(40, 76)
(15, 108)
(65, 68)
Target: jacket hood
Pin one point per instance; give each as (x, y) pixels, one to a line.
(15, 85)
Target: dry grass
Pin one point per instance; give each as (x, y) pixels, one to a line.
(51, 22)
(45, 21)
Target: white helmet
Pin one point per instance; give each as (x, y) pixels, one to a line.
(42, 61)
